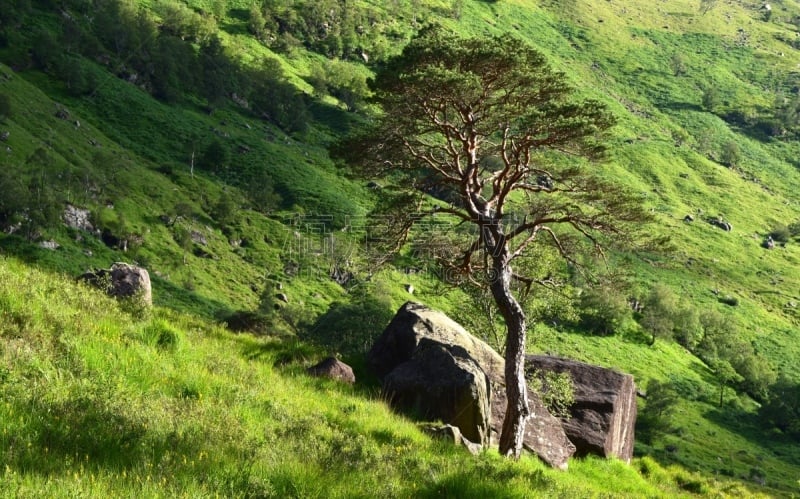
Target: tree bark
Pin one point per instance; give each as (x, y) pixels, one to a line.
(517, 411)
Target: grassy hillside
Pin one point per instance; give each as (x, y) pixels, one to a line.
(227, 199)
(97, 401)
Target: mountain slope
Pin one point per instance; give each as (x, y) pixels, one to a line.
(226, 199)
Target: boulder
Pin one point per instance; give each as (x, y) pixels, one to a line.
(415, 322)
(78, 218)
(49, 245)
(604, 413)
(333, 368)
(122, 280)
(452, 434)
(441, 381)
(722, 224)
(198, 238)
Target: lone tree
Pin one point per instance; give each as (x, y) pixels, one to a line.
(485, 125)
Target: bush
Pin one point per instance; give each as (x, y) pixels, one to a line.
(660, 310)
(780, 234)
(687, 329)
(216, 157)
(556, 391)
(603, 311)
(161, 334)
(782, 409)
(5, 107)
(654, 419)
(731, 155)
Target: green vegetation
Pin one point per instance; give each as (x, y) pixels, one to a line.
(98, 402)
(195, 134)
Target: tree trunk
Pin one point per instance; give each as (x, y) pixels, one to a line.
(517, 411)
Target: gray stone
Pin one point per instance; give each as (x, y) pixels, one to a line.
(198, 238)
(333, 368)
(78, 218)
(603, 416)
(122, 280)
(49, 245)
(415, 322)
(442, 382)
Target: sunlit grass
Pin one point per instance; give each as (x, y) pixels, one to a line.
(114, 409)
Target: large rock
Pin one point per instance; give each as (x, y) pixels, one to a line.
(415, 322)
(78, 218)
(122, 280)
(333, 368)
(604, 412)
(442, 381)
(544, 434)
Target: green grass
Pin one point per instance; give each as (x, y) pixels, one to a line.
(153, 389)
(97, 402)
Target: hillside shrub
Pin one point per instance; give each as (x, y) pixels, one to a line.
(556, 391)
(660, 310)
(781, 234)
(603, 311)
(731, 154)
(6, 109)
(160, 334)
(654, 419)
(782, 409)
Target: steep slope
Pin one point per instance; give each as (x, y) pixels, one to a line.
(97, 401)
(224, 199)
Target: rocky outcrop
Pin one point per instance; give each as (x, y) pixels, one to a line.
(122, 280)
(333, 368)
(414, 323)
(721, 223)
(441, 381)
(78, 218)
(49, 245)
(604, 413)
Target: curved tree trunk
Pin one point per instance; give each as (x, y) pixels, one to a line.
(517, 411)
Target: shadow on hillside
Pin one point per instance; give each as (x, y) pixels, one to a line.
(238, 23)
(279, 352)
(294, 354)
(681, 106)
(338, 120)
(169, 295)
(747, 424)
(92, 432)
